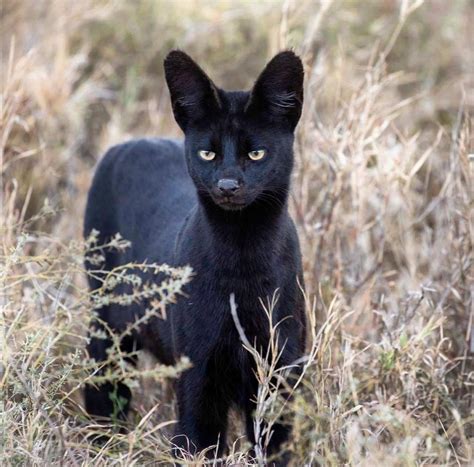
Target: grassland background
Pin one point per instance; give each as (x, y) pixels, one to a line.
(382, 196)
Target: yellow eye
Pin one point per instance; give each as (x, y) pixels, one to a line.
(207, 155)
(257, 155)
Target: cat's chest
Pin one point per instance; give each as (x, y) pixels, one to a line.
(253, 281)
(252, 285)
(252, 271)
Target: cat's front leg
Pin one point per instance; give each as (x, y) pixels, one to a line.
(202, 410)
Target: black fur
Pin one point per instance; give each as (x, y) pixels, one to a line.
(165, 199)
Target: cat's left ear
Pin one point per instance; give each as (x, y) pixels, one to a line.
(278, 92)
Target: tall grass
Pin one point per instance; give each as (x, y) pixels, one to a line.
(382, 197)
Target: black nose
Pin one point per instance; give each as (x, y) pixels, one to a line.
(228, 186)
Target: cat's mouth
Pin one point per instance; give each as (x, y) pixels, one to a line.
(230, 204)
(232, 201)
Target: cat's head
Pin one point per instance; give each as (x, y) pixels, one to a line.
(238, 144)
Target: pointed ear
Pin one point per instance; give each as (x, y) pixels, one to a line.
(278, 92)
(193, 94)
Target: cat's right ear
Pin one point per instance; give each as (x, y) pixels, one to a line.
(193, 94)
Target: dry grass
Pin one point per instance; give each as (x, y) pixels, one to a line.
(382, 195)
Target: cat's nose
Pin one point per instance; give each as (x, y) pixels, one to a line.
(228, 186)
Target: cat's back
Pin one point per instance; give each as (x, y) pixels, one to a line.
(142, 190)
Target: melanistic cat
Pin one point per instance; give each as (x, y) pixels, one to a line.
(218, 202)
